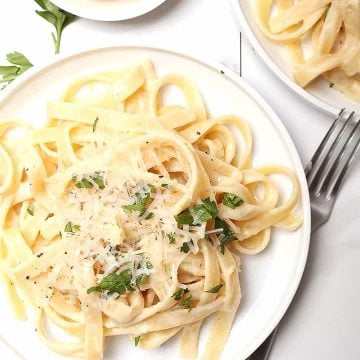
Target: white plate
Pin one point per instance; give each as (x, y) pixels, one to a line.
(108, 10)
(318, 93)
(268, 280)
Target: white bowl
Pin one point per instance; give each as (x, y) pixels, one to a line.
(108, 10)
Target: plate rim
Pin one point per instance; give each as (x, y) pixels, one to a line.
(314, 101)
(108, 17)
(273, 118)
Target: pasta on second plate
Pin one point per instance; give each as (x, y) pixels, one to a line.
(126, 216)
(322, 38)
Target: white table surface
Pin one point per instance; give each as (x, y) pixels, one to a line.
(325, 321)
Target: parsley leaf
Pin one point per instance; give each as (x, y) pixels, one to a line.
(185, 217)
(179, 294)
(232, 201)
(71, 228)
(171, 237)
(95, 124)
(115, 283)
(30, 210)
(140, 203)
(215, 289)
(119, 283)
(185, 247)
(57, 17)
(226, 236)
(186, 303)
(84, 183)
(20, 64)
(137, 340)
(199, 213)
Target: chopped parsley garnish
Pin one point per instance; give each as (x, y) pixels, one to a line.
(179, 294)
(84, 183)
(226, 236)
(95, 124)
(165, 186)
(171, 237)
(215, 289)
(140, 203)
(232, 201)
(149, 216)
(186, 303)
(137, 340)
(185, 248)
(30, 210)
(119, 283)
(198, 214)
(71, 228)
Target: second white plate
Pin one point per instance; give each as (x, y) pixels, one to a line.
(318, 93)
(108, 10)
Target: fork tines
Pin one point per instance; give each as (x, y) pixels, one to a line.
(327, 168)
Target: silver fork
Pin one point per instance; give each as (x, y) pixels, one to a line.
(325, 174)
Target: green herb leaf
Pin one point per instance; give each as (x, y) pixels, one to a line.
(179, 294)
(137, 340)
(30, 209)
(171, 237)
(226, 236)
(186, 303)
(165, 186)
(115, 283)
(185, 247)
(211, 208)
(20, 64)
(84, 183)
(57, 17)
(215, 289)
(120, 283)
(140, 202)
(185, 217)
(232, 201)
(95, 124)
(71, 228)
(149, 215)
(199, 213)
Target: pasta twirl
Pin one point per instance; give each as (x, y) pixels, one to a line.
(322, 38)
(125, 215)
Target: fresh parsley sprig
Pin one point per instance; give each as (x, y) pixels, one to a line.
(137, 340)
(20, 64)
(215, 289)
(57, 17)
(177, 295)
(30, 209)
(171, 237)
(140, 203)
(119, 283)
(198, 214)
(186, 303)
(185, 247)
(84, 183)
(71, 228)
(232, 201)
(226, 236)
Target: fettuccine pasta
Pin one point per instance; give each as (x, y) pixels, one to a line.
(126, 215)
(322, 38)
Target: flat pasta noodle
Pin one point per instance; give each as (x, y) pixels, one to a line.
(322, 39)
(126, 215)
